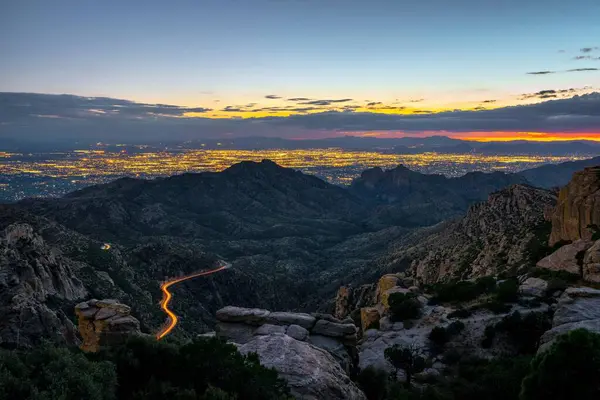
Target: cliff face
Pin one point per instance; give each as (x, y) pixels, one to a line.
(495, 236)
(35, 282)
(578, 208)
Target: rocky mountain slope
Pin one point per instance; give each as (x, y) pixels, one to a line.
(557, 175)
(406, 197)
(504, 234)
(578, 209)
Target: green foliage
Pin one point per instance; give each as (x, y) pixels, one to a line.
(549, 275)
(440, 335)
(49, 373)
(568, 370)
(451, 357)
(595, 229)
(460, 313)
(496, 306)
(407, 359)
(403, 306)
(489, 335)
(373, 383)
(463, 291)
(555, 284)
(508, 291)
(525, 331)
(203, 367)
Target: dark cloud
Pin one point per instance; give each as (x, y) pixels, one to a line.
(582, 69)
(325, 102)
(272, 96)
(489, 101)
(36, 117)
(567, 70)
(298, 99)
(589, 49)
(416, 100)
(479, 108)
(549, 94)
(373, 103)
(233, 109)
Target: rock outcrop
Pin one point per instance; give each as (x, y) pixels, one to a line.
(495, 236)
(578, 208)
(34, 279)
(591, 263)
(105, 323)
(241, 325)
(568, 258)
(311, 372)
(578, 307)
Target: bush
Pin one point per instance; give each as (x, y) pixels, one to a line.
(489, 335)
(373, 382)
(407, 359)
(460, 313)
(439, 336)
(403, 306)
(525, 332)
(508, 291)
(568, 370)
(555, 284)
(148, 369)
(373, 325)
(549, 275)
(496, 307)
(451, 357)
(455, 327)
(47, 372)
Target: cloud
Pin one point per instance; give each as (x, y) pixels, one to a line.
(564, 71)
(582, 69)
(416, 100)
(325, 102)
(272, 96)
(37, 117)
(541, 72)
(589, 49)
(298, 99)
(489, 101)
(373, 103)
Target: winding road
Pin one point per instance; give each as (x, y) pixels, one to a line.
(167, 296)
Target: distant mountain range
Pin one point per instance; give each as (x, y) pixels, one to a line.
(406, 145)
(292, 238)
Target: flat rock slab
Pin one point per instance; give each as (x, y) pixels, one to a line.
(250, 316)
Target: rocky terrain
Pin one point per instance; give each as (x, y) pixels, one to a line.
(577, 215)
(405, 197)
(507, 233)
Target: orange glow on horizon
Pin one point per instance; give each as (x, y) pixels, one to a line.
(529, 136)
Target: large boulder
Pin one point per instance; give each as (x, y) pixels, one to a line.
(577, 308)
(578, 207)
(591, 263)
(328, 328)
(385, 283)
(311, 373)
(369, 317)
(306, 321)
(105, 323)
(533, 287)
(567, 258)
(250, 316)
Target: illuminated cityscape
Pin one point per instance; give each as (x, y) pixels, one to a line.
(55, 174)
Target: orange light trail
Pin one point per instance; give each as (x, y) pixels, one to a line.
(167, 296)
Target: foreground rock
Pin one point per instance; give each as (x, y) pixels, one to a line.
(105, 323)
(567, 258)
(242, 325)
(578, 208)
(311, 373)
(34, 279)
(577, 308)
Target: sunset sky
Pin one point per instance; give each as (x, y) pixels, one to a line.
(256, 59)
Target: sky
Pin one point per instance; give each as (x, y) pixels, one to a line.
(301, 61)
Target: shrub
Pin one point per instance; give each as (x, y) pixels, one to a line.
(451, 357)
(489, 335)
(486, 284)
(568, 370)
(439, 336)
(549, 275)
(508, 291)
(373, 325)
(455, 327)
(525, 332)
(403, 306)
(407, 359)
(496, 307)
(148, 369)
(460, 313)
(373, 383)
(47, 372)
